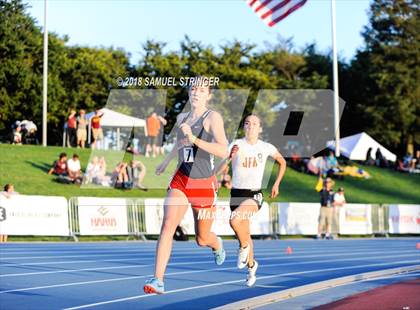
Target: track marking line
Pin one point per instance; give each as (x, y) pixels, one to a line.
(171, 274)
(227, 282)
(187, 263)
(178, 257)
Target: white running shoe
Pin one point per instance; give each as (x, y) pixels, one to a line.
(243, 257)
(251, 278)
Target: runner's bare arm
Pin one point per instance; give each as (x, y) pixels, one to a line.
(225, 162)
(222, 166)
(282, 162)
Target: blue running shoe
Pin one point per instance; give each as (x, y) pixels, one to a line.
(154, 286)
(220, 254)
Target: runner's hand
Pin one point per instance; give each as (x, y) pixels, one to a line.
(186, 130)
(234, 150)
(274, 191)
(161, 168)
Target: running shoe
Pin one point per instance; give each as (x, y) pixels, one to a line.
(243, 256)
(220, 254)
(154, 286)
(252, 271)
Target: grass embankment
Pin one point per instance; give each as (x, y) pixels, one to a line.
(26, 167)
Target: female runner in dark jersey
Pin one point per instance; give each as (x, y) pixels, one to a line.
(200, 136)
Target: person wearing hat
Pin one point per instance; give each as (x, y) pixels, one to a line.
(326, 211)
(339, 201)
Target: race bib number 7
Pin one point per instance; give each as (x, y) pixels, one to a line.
(188, 155)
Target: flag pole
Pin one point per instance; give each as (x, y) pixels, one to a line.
(45, 79)
(335, 81)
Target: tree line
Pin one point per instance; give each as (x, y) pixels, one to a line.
(380, 84)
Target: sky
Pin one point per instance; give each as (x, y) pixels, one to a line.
(128, 24)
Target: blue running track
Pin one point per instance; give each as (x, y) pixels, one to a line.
(111, 275)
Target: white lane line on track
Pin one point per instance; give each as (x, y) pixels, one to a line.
(191, 250)
(188, 263)
(176, 273)
(224, 283)
(282, 256)
(7, 275)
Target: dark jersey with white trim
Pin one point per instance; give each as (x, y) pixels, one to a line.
(193, 161)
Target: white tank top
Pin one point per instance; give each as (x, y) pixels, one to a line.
(249, 163)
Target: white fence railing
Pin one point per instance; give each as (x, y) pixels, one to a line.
(87, 216)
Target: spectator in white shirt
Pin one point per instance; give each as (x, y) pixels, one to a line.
(338, 202)
(74, 169)
(8, 192)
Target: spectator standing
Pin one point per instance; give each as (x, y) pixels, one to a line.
(369, 159)
(326, 211)
(71, 129)
(380, 160)
(160, 138)
(96, 128)
(153, 128)
(81, 129)
(339, 202)
(8, 192)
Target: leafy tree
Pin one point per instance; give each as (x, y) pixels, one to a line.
(392, 63)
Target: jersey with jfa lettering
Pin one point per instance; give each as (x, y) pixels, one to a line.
(249, 163)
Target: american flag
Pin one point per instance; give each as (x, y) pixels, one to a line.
(273, 11)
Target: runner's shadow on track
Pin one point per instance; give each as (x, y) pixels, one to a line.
(27, 294)
(45, 167)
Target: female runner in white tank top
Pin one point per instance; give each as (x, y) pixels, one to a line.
(249, 156)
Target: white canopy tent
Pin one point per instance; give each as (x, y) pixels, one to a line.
(117, 120)
(355, 147)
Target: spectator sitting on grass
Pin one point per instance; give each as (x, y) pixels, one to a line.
(59, 167)
(417, 160)
(226, 179)
(17, 135)
(332, 166)
(120, 176)
(74, 170)
(8, 192)
(92, 171)
(136, 172)
(407, 160)
(102, 172)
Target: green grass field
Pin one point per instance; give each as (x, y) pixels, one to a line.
(26, 167)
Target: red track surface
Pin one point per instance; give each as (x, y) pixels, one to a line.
(402, 296)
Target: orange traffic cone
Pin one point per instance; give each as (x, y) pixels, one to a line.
(289, 250)
(418, 245)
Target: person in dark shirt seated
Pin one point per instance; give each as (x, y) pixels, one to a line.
(59, 167)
